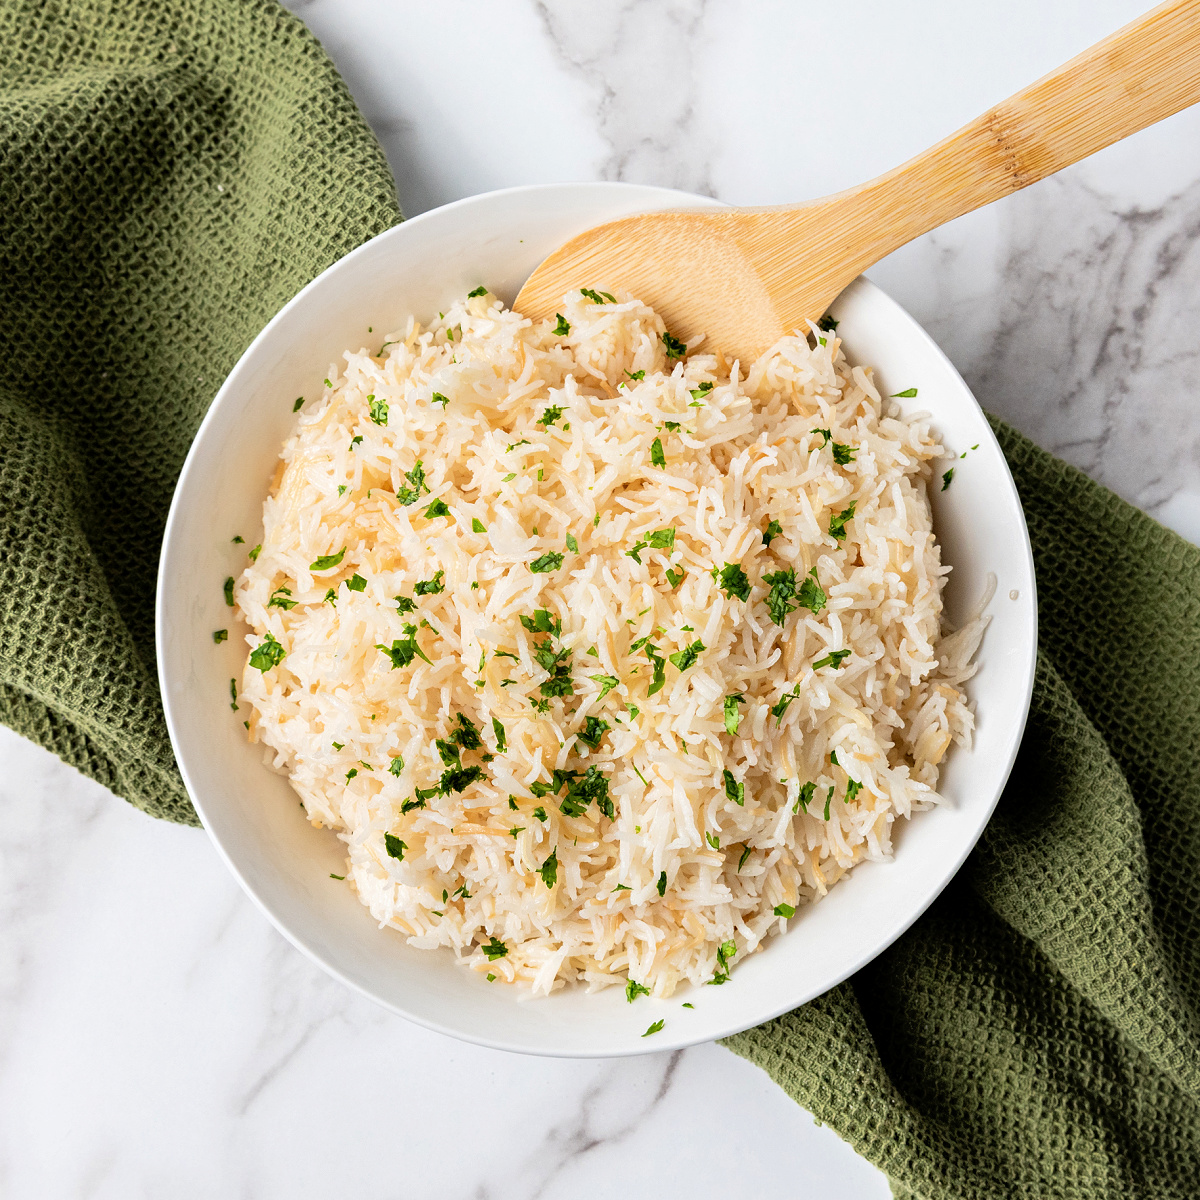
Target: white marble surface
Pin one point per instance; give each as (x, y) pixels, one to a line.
(157, 1038)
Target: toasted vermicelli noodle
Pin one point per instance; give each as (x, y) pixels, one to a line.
(612, 764)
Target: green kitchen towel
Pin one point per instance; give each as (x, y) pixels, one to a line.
(171, 172)
(1036, 1034)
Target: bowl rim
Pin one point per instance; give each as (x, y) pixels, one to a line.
(297, 939)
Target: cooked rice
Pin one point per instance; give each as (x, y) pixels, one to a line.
(340, 718)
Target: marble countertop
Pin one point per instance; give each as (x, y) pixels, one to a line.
(157, 1037)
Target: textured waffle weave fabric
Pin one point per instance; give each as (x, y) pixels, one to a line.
(172, 172)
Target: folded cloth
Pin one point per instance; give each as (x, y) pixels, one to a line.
(171, 172)
(1036, 1034)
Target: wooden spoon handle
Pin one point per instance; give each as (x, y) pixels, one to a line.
(1144, 72)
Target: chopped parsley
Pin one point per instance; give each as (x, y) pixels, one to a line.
(439, 508)
(430, 587)
(356, 583)
(467, 734)
(636, 376)
(675, 578)
(633, 990)
(773, 530)
(479, 291)
(558, 664)
(418, 801)
(541, 622)
(949, 475)
(448, 752)
(725, 951)
(355, 440)
(907, 394)
(550, 414)
(593, 730)
(494, 949)
(702, 390)
(837, 522)
(781, 705)
(220, 635)
(597, 297)
(657, 457)
(662, 539)
(237, 538)
(827, 324)
(395, 847)
(811, 595)
(405, 604)
(256, 552)
(745, 855)
(233, 694)
(509, 477)
(477, 526)
(397, 765)
(280, 599)
(826, 435)
(673, 346)
(333, 876)
(403, 650)
(606, 682)
(672, 426)
(622, 887)
(843, 454)
(733, 790)
(804, 799)
(350, 774)
(572, 544)
(539, 813)
(733, 716)
(458, 779)
(512, 833)
(657, 1026)
(416, 477)
(549, 869)
(852, 790)
(662, 884)
(562, 327)
(501, 738)
(438, 398)
(328, 561)
(228, 589)
(660, 670)
(832, 659)
(342, 488)
(686, 657)
(550, 561)
(581, 792)
(733, 581)
(378, 410)
(299, 404)
(785, 910)
(782, 598)
(828, 802)
(330, 597)
(267, 654)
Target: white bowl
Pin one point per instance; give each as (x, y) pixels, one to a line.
(255, 818)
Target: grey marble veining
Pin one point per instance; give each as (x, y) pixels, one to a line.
(157, 1037)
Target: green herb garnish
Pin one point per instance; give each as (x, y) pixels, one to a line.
(395, 847)
(782, 598)
(430, 587)
(811, 595)
(562, 327)
(494, 949)
(597, 297)
(550, 561)
(745, 855)
(702, 390)
(541, 622)
(299, 404)
(733, 790)
(267, 654)
(949, 475)
(828, 802)
(280, 599)
(416, 477)
(908, 394)
(636, 376)
(378, 410)
(593, 730)
(633, 990)
(675, 578)
(438, 398)
(781, 705)
(606, 682)
(356, 583)
(657, 457)
(662, 884)
(228, 589)
(826, 436)
(657, 1026)
(501, 739)
(785, 910)
(837, 522)
(827, 324)
(403, 650)
(773, 530)
(477, 526)
(686, 657)
(549, 869)
(220, 635)
(327, 561)
(660, 670)
(550, 414)
(733, 581)
(832, 659)
(804, 799)
(673, 346)
(572, 544)
(479, 291)
(843, 454)
(733, 715)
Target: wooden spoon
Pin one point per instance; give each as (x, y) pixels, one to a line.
(745, 276)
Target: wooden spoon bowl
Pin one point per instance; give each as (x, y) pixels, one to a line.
(746, 276)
